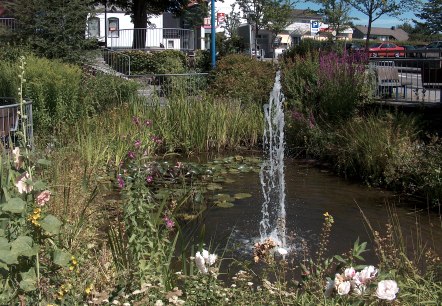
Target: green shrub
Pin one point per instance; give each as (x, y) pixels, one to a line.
(61, 94)
(241, 77)
(141, 62)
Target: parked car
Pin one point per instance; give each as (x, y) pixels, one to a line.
(433, 49)
(386, 49)
(409, 50)
(350, 47)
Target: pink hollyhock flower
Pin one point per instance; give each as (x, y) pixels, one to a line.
(43, 197)
(22, 183)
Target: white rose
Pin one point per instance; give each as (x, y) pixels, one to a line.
(349, 273)
(367, 274)
(200, 263)
(387, 290)
(344, 288)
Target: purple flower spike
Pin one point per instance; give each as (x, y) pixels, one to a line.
(136, 120)
(148, 122)
(120, 181)
(149, 179)
(169, 222)
(137, 144)
(131, 154)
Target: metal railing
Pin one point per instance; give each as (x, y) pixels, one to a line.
(8, 23)
(152, 38)
(417, 77)
(11, 120)
(118, 61)
(168, 85)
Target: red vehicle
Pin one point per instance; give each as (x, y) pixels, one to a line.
(386, 49)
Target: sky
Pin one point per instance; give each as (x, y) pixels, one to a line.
(383, 22)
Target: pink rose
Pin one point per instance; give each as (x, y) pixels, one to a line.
(43, 197)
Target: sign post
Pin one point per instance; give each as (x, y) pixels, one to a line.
(213, 36)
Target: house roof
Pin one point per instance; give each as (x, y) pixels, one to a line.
(397, 34)
(307, 14)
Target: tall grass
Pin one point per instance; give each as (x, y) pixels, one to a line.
(205, 123)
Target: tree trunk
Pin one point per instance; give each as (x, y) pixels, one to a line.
(140, 24)
(367, 41)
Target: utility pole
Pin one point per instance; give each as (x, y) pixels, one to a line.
(213, 34)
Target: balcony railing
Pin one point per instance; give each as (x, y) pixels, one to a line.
(417, 77)
(154, 38)
(7, 25)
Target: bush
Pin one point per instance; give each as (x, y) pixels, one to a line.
(61, 93)
(241, 77)
(160, 62)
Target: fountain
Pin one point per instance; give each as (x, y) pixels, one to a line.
(271, 175)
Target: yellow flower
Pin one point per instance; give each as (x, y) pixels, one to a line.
(88, 289)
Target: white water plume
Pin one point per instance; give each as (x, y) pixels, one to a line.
(271, 175)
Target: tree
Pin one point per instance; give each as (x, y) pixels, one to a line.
(258, 12)
(277, 16)
(140, 9)
(374, 9)
(54, 29)
(431, 13)
(336, 14)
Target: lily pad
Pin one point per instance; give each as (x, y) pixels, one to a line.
(223, 197)
(224, 204)
(229, 180)
(242, 195)
(214, 186)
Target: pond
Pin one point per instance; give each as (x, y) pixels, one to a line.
(310, 192)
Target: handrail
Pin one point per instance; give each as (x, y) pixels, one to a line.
(119, 54)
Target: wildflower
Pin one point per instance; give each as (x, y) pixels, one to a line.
(120, 181)
(22, 183)
(88, 289)
(136, 120)
(282, 251)
(74, 263)
(179, 165)
(387, 290)
(43, 197)
(159, 303)
(126, 304)
(200, 263)
(249, 284)
(344, 288)
(131, 155)
(18, 159)
(169, 222)
(233, 285)
(35, 217)
(137, 143)
(149, 179)
(148, 122)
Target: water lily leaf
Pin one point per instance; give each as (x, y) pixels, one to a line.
(14, 205)
(29, 280)
(234, 171)
(223, 197)
(198, 198)
(242, 195)
(62, 258)
(214, 186)
(51, 224)
(224, 204)
(229, 180)
(219, 179)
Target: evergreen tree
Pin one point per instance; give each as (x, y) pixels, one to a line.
(53, 28)
(431, 13)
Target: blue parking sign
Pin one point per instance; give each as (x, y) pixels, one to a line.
(315, 24)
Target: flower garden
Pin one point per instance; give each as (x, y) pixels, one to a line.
(98, 212)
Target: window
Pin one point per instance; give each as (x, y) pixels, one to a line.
(93, 27)
(113, 27)
(170, 44)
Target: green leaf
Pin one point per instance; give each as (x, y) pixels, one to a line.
(242, 195)
(224, 204)
(29, 280)
(14, 205)
(51, 224)
(44, 162)
(62, 258)
(39, 185)
(6, 256)
(24, 246)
